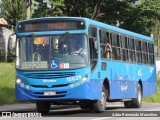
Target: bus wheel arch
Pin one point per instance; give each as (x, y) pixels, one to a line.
(107, 87)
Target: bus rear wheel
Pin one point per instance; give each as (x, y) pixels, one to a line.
(43, 106)
(137, 102)
(100, 105)
(128, 104)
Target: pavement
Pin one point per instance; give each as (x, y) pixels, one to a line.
(28, 107)
(31, 107)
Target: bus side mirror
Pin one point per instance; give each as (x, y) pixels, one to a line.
(96, 45)
(10, 42)
(11, 55)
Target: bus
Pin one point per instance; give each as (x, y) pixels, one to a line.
(48, 72)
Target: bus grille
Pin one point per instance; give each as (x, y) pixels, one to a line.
(53, 86)
(49, 75)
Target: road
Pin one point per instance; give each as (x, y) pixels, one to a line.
(116, 111)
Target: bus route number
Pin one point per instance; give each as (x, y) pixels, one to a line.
(74, 78)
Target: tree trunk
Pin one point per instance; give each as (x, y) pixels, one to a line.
(96, 9)
(28, 8)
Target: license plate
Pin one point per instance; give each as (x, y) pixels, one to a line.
(49, 93)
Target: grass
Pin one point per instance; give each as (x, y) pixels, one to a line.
(7, 85)
(7, 82)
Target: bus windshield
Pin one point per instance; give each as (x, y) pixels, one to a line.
(52, 52)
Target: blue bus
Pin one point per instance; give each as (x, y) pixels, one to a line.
(65, 60)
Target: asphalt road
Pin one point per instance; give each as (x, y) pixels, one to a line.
(148, 111)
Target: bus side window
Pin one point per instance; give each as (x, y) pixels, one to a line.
(93, 49)
(105, 44)
(124, 52)
(131, 44)
(151, 54)
(115, 41)
(138, 51)
(144, 54)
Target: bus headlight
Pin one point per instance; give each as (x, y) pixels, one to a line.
(18, 81)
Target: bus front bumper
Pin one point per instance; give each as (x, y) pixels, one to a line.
(88, 91)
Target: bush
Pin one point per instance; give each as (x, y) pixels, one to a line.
(2, 56)
(11, 55)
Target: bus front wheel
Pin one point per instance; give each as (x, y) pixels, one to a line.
(100, 105)
(43, 106)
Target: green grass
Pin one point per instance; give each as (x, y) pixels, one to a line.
(7, 83)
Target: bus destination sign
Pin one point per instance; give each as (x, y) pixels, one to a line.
(50, 25)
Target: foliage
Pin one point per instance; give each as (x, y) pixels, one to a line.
(2, 56)
(141, 17)
(47, 9)
(138, 17)
(11, 55)
(12, 10)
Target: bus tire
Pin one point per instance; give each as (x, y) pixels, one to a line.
(128, 104)
(100, 105)
(137, 102)
(43, 106)
(84, 107)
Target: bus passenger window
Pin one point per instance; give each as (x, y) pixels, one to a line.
(124, 47)
(116, 53)
(108, 50)
(139, 57)
(124, 55)
(131, 44)
(151, 54)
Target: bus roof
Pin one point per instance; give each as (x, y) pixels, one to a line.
(98, 24)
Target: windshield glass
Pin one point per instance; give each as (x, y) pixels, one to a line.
(52, 52)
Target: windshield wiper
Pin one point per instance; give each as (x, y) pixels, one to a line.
(65, 36)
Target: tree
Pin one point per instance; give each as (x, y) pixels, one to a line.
(141, 18)
(52, 8)
(138, 17)
(12, 10)
(28, 4)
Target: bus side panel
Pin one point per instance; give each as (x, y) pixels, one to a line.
(125, 78)
(122, 80)
(123, 89)
(149, 86)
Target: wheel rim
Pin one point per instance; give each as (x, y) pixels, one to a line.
(103, 101)
(139, 96)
